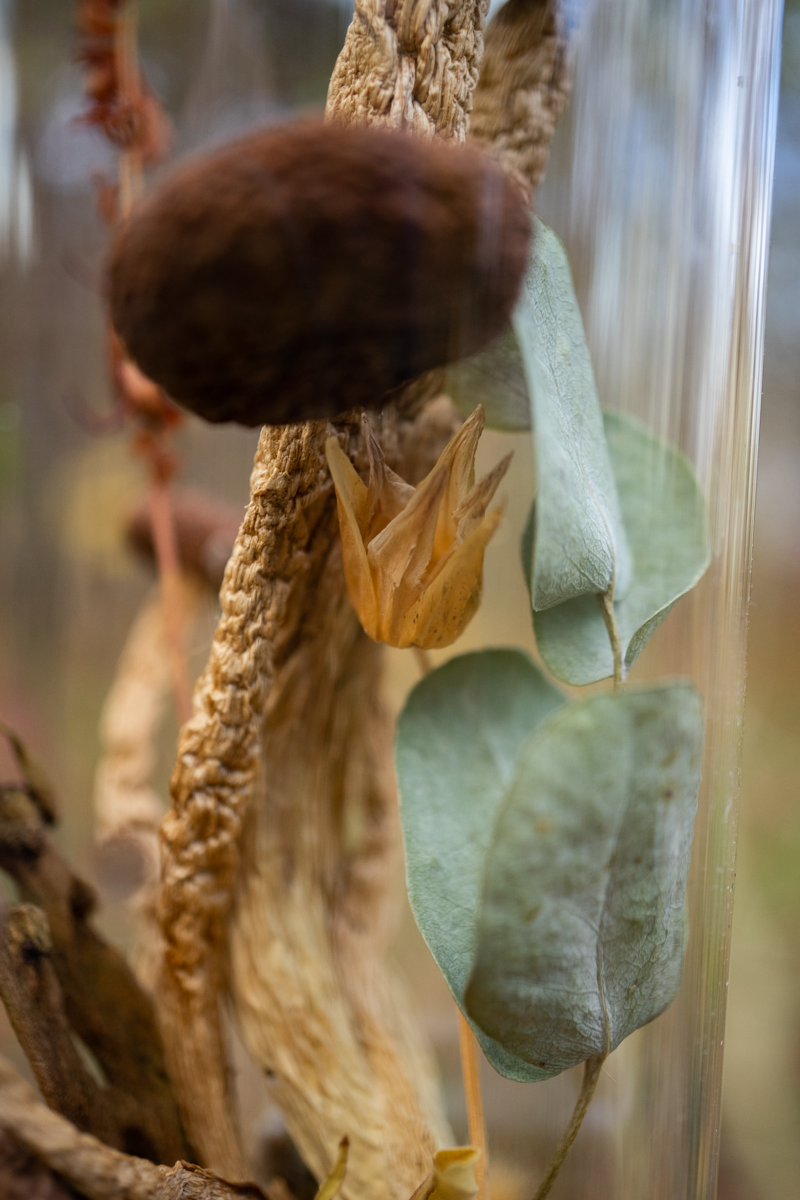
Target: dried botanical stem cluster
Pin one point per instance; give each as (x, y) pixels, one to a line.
(286, 742)
(288, 745)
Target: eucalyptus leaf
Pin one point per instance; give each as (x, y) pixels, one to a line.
(458, 739)
(664, 514)
(580, 545)
(495, 378)
(582, 924)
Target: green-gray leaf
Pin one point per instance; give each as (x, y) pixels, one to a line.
(664, 514)
(580, 544)
(458, 739)
(494, 378)
(582, 922)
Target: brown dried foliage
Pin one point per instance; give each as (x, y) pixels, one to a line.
(130, 120)
(311, 268)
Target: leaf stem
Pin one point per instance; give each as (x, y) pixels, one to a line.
(131, 177)
(591, 1074)
(606, 602)
(470, 1072)
(167, 560)
(423, 658)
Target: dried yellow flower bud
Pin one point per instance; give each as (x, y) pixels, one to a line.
(453, 1176)
(413, 557)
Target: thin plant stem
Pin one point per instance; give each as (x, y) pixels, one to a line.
(470, 1071)
(591, 1075)
(131, 174)
(131, 186)
(423, 658)
(170, 578)
(606, 602)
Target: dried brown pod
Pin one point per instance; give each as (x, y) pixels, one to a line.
(310, 268)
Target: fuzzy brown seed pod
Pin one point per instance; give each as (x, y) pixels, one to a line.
(311, 268)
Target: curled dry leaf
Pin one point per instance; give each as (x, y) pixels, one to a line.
(413, 557)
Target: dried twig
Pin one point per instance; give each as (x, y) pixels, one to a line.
(24, 1177)
(32, 996)
(94, 1170)
(102, 1002)
(523, 87)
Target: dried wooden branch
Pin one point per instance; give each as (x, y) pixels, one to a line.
(34, 778)
(24, 1177)
(523, 87)
(32, 996)
(412, 65)
(94, 1170)
(102, 1003)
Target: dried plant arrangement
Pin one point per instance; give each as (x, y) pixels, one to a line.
(325, 279)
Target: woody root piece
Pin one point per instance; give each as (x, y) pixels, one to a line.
(60, 981)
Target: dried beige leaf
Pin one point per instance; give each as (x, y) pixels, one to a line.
(413, 557)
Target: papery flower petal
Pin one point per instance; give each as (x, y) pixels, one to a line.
(388, 493)
(454, 1173)
(400, 555)
(453, 1176)
(413, 557)
(472, 508)
(353, 502)
(459, 457)
(451, 598)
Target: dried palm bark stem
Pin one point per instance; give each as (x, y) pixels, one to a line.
(316, 900)
(282, 586)
(411, 64)
(523, 88)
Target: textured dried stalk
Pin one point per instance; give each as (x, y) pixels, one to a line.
(276, 560)
(286, 617)
(412, 64)
(315, 904)
(95, 1170)
(523, 87)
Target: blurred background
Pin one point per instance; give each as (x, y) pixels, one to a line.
(70, 588)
